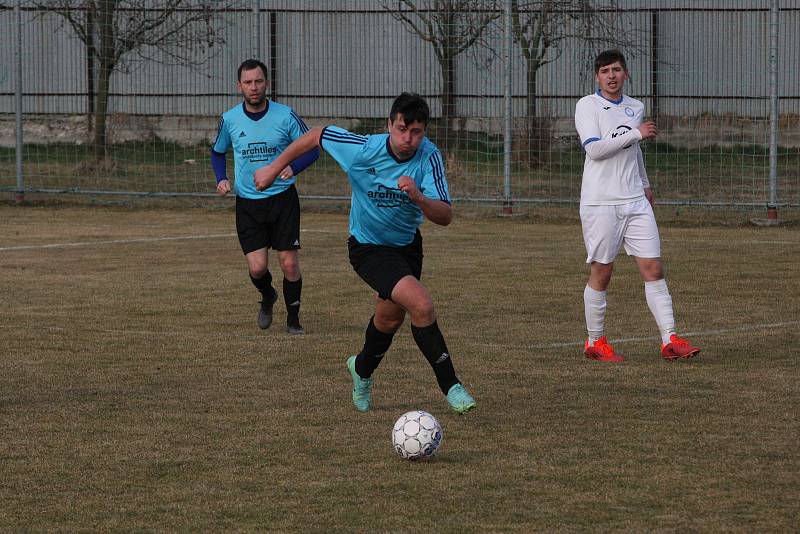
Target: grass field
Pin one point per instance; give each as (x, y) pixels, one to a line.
(138, 394)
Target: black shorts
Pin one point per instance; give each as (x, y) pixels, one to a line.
(272, 222)
(382, 266)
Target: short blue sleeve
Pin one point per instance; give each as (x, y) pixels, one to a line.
(342, 145)
(434, 182)
(223, 141)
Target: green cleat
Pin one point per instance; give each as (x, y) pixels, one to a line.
(460, 401)
(361, 387)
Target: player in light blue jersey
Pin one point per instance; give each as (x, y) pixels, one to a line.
(397, 180)
(257, 130)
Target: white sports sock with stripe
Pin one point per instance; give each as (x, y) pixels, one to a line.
(594, 305)
(660, 303)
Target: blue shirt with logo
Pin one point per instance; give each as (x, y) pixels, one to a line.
(380, 213)
(256, 143)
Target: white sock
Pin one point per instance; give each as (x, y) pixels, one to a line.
(660, 303)
(594, 305)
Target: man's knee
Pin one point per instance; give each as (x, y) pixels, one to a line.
(290, 265)
(422, 312)
(389, 324)
(257, 267)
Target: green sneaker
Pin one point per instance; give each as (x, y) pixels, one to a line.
(459, 399)
(361, 387)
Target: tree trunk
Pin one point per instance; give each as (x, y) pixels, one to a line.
(90, 62)
(537, 136)
(105, 23)
(448, 101)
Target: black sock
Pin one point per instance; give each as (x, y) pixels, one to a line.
(431, 342)
(291, 295)
(376, 343)
(264, 286)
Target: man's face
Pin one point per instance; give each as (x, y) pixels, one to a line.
(405, 138)
(253, 86)
(611, 78)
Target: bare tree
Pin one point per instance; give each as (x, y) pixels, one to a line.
(451, 27)
(541, 29)
(115, 32)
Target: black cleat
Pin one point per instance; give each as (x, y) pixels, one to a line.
(265, 311)
(293, 325)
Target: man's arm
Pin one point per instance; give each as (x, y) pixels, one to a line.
(436, 211)
(265, 176)
(220, 172)
(598, 149)
(304, 161)
(648, 193)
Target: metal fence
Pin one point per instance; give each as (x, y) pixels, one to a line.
(720, 78)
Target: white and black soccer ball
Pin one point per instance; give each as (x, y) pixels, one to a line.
(416, 435)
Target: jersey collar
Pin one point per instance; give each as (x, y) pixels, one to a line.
(394, 157)
(600, 94)
(255, 116)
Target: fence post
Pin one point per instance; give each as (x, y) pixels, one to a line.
(507, 130)
(772, 205)
(19, 196)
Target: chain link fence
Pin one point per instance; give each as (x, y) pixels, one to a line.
(124, 97)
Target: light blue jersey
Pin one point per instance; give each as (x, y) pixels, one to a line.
(381, 214)
(256, 143)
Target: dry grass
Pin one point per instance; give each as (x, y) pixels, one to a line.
(137, 392)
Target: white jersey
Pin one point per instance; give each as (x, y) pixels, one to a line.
(613, 172)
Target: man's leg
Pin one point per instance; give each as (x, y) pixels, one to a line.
(378, 337)
(292, 288)
(377, 340)
(659, 301)
(257, 265)
(416, 299)
(657, 294)
(596, 346)
(594, 299)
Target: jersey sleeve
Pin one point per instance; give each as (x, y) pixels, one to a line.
(223, 140)
(434, 182)
(642, 171)
(586, 122)
(342, 145)
(598, 149)
(296, 126)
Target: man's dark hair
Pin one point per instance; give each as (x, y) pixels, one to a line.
(607, 58)
(250, 64)
(412, 107)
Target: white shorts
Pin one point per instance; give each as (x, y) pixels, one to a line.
(607, 228)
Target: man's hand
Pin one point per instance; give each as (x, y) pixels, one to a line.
(223, 188)
(264, 177)
(407, 185)
(648, 194)
(286, 173)
(648, 130)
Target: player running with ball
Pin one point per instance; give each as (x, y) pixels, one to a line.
(616, 207)
(397, 179)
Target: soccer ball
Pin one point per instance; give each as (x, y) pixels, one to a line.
(416, 435)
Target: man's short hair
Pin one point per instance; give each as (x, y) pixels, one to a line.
(250, 64)
(607, 58)
(412, 107)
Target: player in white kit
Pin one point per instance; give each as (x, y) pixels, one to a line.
(616, 207)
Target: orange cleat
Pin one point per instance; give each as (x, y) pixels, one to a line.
(601, 351)
(678, 348)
